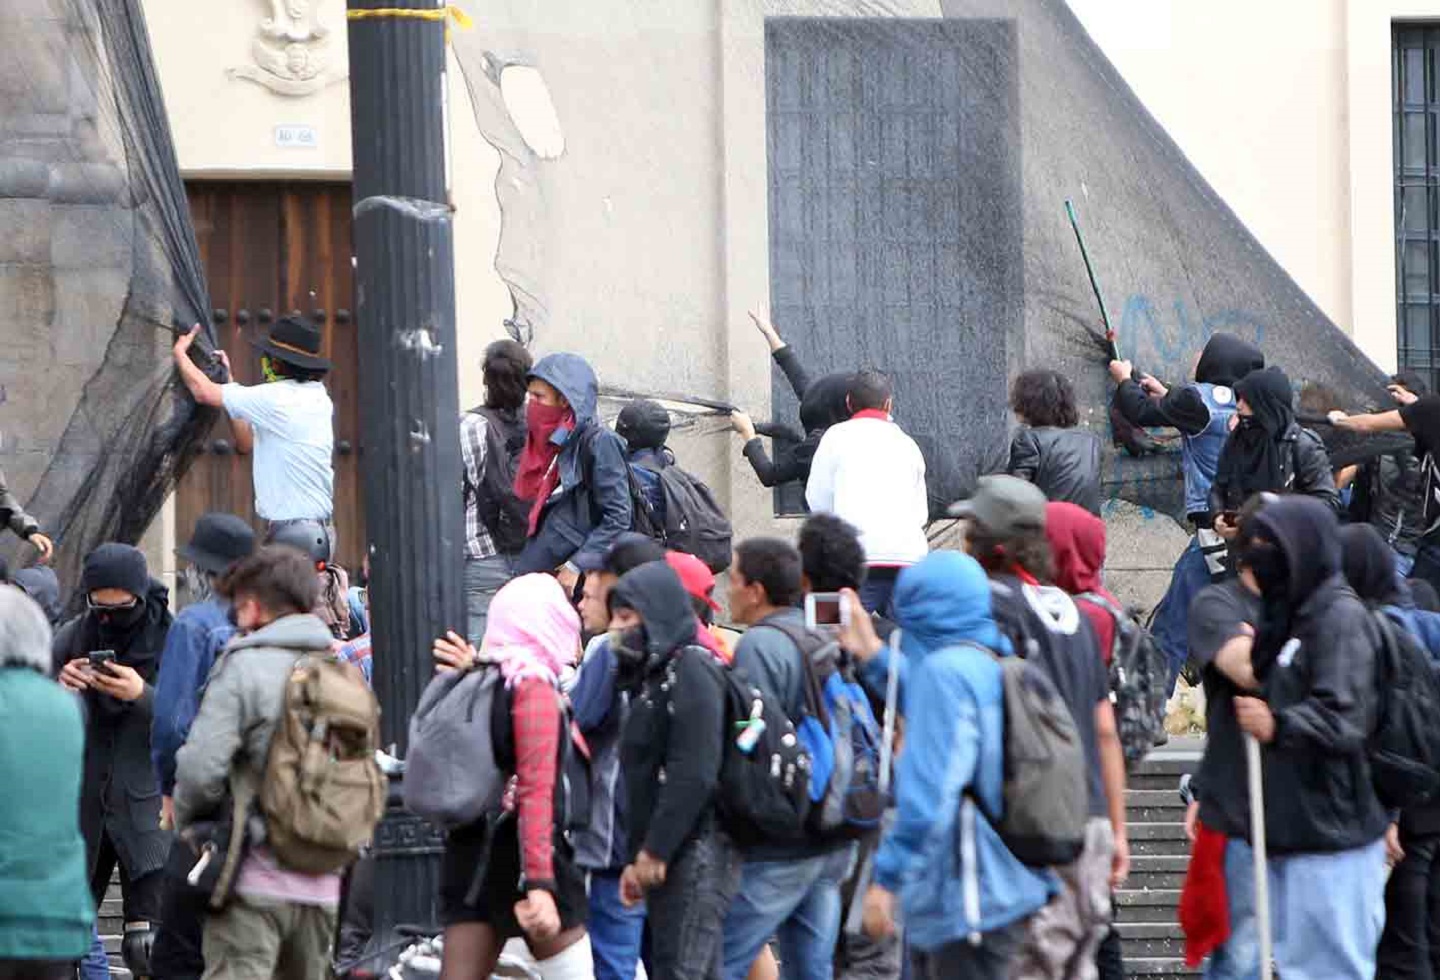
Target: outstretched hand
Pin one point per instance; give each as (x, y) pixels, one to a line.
(743, 425)
(767, 330)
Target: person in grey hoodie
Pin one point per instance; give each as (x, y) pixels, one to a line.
(280, 921)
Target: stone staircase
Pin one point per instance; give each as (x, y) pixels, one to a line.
(111, 920)
(1146, 907)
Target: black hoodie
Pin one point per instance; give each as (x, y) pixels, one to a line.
(1269, 451)
(1224, 361)
(671, 747)
(1315, 657)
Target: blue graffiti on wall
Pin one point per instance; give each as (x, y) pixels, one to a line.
(1166, 344)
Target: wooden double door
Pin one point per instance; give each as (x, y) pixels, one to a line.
(270, 249)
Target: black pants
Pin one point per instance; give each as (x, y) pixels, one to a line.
(960, 960)
(142, 897)
(1109, 958)
(179, 944)
(1410, 946)
(36, 969)
(687, 914)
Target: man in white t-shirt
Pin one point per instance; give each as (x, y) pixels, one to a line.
(287, 423)
(868, 472)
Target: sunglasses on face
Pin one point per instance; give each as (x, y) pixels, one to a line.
(104, 607)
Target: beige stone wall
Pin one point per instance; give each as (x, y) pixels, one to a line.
(1283, 105)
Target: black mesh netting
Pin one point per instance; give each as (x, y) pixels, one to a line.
(98, 263)
(1174, 260)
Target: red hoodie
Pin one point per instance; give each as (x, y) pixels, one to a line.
(1077, 544)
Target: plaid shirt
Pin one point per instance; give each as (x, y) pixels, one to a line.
(536, 720)
(478, 543)
(357, 652)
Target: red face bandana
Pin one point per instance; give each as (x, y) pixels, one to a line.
(537, 474)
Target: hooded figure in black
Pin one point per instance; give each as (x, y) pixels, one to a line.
(823, 403)
(1268, 451)
(1314, 656)
(120, 800)
(671, 751)
(1224, 361)
(1406, 949)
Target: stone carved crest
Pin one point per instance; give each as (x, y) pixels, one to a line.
(293, 50)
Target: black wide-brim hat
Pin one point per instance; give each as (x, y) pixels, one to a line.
(219, 541)
(295, 340)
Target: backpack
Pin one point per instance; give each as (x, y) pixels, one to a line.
(323, 791)
(764, 793)
(1404, 748)
(839, 732)
(1139, 676)
(451, 776)
(694, 522)
(1046, 796)
(1046, 789)
(690, 519)
(505, 516)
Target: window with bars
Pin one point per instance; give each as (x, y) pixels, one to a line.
(1417, 181)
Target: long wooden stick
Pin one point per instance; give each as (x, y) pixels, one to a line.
(1262, 860)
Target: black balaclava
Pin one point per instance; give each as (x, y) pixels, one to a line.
(1369, 566)
(1226, 359)
(117, 566)
(1292, 549)
(1253, 458)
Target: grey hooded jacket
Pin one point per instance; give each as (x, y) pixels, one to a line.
(242, 705)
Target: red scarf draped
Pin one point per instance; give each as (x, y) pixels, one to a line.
(538, 475)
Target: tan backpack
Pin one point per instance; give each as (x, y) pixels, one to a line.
(323, 792)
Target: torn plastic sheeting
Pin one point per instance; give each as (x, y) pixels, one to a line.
(408, 207)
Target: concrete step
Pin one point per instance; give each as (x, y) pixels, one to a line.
(1152, 939)
(1158, 967)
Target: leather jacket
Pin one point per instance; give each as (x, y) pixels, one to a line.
(1064, 463)
(1304, 469)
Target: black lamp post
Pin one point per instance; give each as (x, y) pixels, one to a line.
(409, 405)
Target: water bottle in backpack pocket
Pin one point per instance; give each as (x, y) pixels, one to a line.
(764, 793)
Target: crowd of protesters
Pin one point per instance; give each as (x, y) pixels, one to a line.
(154, 755)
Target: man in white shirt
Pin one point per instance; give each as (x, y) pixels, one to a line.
(287, 423)
(871, 474)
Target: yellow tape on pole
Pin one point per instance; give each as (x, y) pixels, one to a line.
(450, 14)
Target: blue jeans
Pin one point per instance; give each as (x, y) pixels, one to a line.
(615, 930)
(95, 965)
(796, 901)
(483, 578)
(877, 593)
(1172, 616)
(1326, 914)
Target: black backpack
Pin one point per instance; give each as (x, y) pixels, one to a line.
(764, 793)
(1139, 677)
(1404, 748)
(505, 516)
(693, 521)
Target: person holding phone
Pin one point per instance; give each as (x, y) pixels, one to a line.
(110, 656)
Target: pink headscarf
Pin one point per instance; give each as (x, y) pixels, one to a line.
(532, 630)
